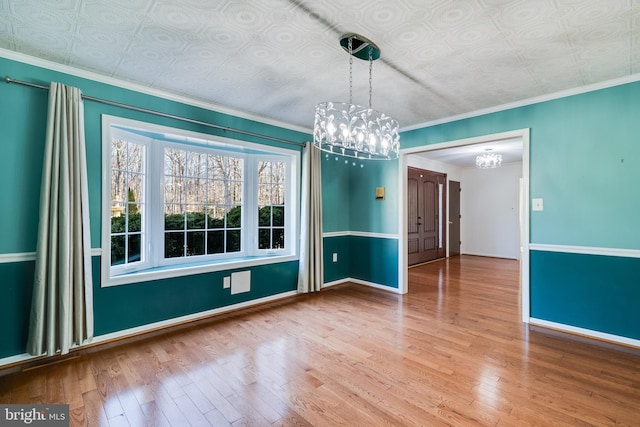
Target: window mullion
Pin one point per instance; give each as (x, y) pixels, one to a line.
(251, 206)
(155, 241)
(290, 232)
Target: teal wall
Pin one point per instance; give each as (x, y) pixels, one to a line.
(348, 195)
(16, 281)
(379, 216)
(374, 260)
(341, 269)
(595, 292)
(349, 205)
(336, 203)
(22, 129)
(127, 306)
(371, 259)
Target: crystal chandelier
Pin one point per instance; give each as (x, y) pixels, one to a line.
(353, 130)
(489, 160)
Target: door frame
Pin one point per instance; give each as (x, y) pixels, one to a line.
(523, 135)
(449, 216)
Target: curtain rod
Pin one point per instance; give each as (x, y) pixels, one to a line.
(158, 113)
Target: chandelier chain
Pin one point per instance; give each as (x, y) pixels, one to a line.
(350, 70)
(370, 73)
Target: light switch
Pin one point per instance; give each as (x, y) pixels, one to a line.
(537, 205)
(226, 282)
(335, 257)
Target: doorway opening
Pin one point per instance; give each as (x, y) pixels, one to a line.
(522, 137)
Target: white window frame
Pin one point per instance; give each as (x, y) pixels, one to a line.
(155, 266)
(157, 209)
(288, 197)
(146, 261)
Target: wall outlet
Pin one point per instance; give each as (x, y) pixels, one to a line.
(226, 282)
(335, 257)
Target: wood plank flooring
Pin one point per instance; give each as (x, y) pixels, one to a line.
(451, 352)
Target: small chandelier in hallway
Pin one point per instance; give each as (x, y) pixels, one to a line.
(489, 160)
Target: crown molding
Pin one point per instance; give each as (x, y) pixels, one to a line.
(529, 101)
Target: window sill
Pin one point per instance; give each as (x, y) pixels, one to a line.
(178, 270)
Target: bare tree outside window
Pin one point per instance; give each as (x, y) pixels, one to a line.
(271, 199)
(203, 203)
(127, 201)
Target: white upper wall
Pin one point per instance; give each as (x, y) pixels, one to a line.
(489, 205)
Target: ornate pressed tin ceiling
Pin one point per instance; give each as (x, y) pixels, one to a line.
(279, 58)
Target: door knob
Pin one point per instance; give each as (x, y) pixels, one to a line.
(450, 222)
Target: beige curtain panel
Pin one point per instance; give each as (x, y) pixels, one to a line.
(311, 274)
(62, 302)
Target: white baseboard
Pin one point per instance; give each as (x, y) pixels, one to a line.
(189, 318)
(630, 342)
(361, 282)
(489, 255)
(360, 234)
(334, 283)
(15, 359)
(158, 325)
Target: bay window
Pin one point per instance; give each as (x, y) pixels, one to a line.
(176, 202)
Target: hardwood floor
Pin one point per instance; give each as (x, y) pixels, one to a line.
(451, 352)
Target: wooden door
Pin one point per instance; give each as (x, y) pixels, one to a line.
(426, 207)
(454, 218)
